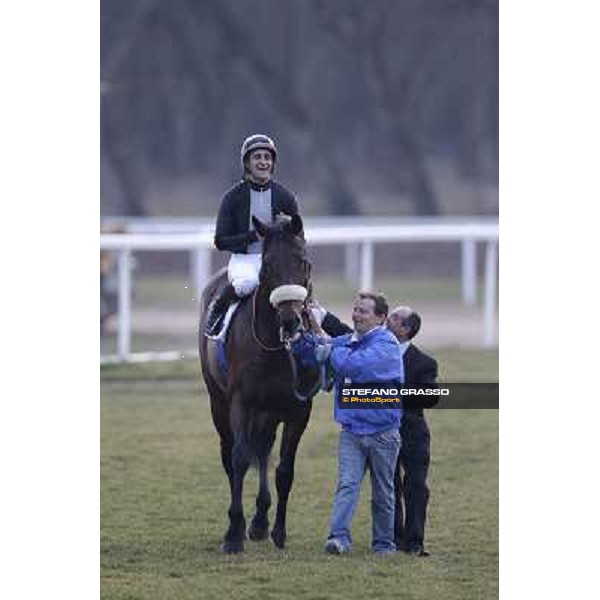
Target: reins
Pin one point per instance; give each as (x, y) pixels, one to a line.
(254, 333)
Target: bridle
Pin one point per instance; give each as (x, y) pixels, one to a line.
(286, 344)
(255, 333)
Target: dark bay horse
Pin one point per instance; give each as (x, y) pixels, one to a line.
(263, 386)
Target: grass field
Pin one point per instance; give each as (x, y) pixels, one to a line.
(164, 498)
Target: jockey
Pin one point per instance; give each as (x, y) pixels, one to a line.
(256, 195)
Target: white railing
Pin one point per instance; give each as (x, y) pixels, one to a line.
(351, 232)
(199, 260)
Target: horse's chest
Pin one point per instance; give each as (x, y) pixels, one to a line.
(268, 377)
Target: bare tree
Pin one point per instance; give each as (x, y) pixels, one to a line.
(362, 95)
(403, 50)
(274, 88)
(362, 30)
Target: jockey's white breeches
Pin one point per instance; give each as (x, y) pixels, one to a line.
(242, 272)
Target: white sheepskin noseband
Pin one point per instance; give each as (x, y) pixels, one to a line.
(285, 293)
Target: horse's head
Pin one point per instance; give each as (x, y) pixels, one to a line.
(285, 271)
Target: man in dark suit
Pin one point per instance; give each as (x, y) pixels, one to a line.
(413, 461)
(412, 492)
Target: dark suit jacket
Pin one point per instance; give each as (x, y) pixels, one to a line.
(334, 327)
(419, 368)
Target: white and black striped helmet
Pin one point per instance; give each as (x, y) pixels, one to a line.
(258, 141)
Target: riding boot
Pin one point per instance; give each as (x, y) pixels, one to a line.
(218, 308)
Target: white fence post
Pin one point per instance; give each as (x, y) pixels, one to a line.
(199, 268)
(491, 279)
(469, 272)
(366, 265)
(124, 337)
(351, 262)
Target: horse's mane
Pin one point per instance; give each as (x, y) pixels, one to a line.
(281, 231)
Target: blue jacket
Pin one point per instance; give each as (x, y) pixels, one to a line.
(374, 358)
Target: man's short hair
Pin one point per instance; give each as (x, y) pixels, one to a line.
(381, 305)
(413, 320)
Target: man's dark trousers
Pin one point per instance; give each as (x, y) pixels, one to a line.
(411, 480)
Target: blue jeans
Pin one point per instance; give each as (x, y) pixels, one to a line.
(378, 451)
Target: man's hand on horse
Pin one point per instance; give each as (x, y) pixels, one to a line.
(316, 313)
(322, 352)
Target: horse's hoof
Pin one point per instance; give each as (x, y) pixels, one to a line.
(232, 547)
(278, 538)
(256, 533)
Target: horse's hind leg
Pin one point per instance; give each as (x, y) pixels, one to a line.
(259, 527)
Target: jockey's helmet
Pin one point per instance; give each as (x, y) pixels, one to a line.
(258, 141)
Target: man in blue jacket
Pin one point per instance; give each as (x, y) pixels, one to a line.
(370, 436)
(412, 491)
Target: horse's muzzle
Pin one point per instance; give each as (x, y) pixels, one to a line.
(288, 300)
(290, 317)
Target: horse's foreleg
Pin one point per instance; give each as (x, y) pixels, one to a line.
(226, 459)
(284, 477)
(240, 461)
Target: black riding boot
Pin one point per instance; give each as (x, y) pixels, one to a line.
(217, 309)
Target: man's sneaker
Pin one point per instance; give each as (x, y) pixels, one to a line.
(334, 546)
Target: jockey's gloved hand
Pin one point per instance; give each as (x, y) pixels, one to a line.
(282, 218)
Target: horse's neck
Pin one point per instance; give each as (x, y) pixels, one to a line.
(265, 318)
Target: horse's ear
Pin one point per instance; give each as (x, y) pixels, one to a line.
(296, 227)
(259, 226)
